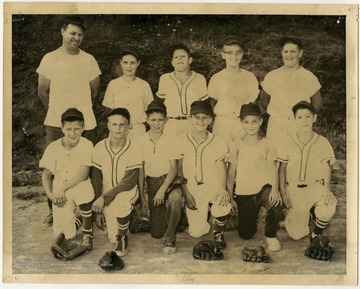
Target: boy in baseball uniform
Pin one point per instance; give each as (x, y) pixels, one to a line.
(116, 165)
(203, 165)
(160, 157)
(229, 89)
(66, 164)
(252, 163)
(305, 171)
(130, 92)
(179, 89)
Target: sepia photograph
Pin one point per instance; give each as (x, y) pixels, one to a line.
(178, 143)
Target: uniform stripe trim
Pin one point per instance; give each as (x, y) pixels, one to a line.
(96, 165)
(220, 158)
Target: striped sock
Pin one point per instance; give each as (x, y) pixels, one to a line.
(123, 225)
(78, 222)
(87, 221)
(319, 226)
(220, 223)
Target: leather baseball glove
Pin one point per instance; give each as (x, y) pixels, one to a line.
(207, 250)
(66, 250)
(320, 248)
(255, 254)
(111, 261)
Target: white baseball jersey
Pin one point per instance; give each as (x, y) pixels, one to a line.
(114, 164)
(304, 161)
(135, 96)
(199, 160)
(252, 161)
(179, 96)
(70, 77)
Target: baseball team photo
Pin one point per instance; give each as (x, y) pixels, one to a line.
(175, 144)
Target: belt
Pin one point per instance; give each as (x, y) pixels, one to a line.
(321, 181)
(179, 117)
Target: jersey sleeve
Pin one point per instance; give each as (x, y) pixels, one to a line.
(161, 93)
(135, 160)
(44, 68)
(312, 84)
(327, 153)
(233, 153)
(148, 95)
(96, 156)
(221, 150)
(212, 88)
(94, 70)
(270, 151)
(86, 153)
(48, 160)
(109, 96)
(173, 152)
(283, 153)
(203, 92)
(267, 84)
(254, 87)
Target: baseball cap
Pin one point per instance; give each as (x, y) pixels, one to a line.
(250, 109)
(232, 40)
(120, 111)
(130, 50)
(199, 106)
(73, 114)
(156, 105)
(72, 19)
(290, 39)
(303, 104)
(177, 46)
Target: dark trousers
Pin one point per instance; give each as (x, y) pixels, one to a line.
(248, 210)
(164, 218)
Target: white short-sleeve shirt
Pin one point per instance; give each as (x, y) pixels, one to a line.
(114, 164)
(70, 77)
(179, 96)
(135, 96)
(232, 91)
(252, 161)
(64, 163)
(304, 161)
(288, 88)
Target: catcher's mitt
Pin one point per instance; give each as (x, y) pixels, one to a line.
(320, 248)
(255, 254)
(66, 250)
(207, 250)
(111, 261)
(139, 222)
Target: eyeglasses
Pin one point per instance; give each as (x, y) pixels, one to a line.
(237, 52)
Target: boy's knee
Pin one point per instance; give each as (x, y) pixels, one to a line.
(220, 211)
(175, 199)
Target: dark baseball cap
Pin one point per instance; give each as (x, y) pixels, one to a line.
(290, 39)
(120, 111)
(199, 106)
(156, 105)
(229, 40)
(72, 114)
(250, 109)
(130, 50)
(177, 46)
(75, 20)
(303, 104)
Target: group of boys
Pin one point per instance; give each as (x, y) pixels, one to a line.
(231, 168)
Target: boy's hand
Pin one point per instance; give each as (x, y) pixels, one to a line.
(98, 205)
(329, 198)
(275, 198)
(190, 201)
(286, 201)
(223, 198)
(234, 208)
(144, 208)
(159, 197)
(100, 221)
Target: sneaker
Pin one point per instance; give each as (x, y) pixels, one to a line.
(169, 247)
(87, 242)
(121, 246)
(273, 244)
(220, 239)
(48, 221)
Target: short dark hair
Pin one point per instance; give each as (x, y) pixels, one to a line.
(148, 112)
(119, 111)
(179, 46)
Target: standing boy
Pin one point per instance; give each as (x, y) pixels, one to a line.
(66, 164)
(305, 172)
(160, 168)
(68, 77)
(116, 165)
(229, 89)
(203, 165)
(252, 163)
(130, 92)
(179, 89)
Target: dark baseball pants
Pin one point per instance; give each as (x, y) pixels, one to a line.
(165, 218)
(248, 210)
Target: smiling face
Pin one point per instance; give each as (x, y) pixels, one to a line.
(181, 60)
(129, 64)
(200, 121)
(72, 131)
(72, 37)
(305, 119)
(232, 54)
(291, 55)
(156, 121)
(118, 126)
(251, 124)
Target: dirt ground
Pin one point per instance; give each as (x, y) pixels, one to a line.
(32, 255)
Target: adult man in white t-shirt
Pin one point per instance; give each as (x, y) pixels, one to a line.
(68, 77)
